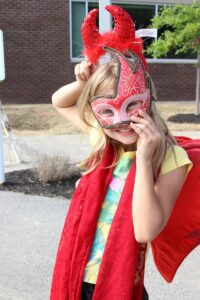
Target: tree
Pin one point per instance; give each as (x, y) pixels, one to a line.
(182, 34)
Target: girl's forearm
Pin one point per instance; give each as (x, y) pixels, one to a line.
(67, 95)
(148, 216)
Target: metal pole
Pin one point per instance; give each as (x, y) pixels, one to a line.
(2, 174)
(2, 77)
(104, 16)
(105, 24)
(2, 61)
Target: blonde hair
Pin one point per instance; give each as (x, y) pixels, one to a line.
(102, 79)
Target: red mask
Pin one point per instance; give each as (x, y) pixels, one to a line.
(131, 93)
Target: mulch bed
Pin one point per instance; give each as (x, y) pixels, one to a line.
(25, 181)
(185, 118)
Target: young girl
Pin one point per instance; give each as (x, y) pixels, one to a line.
(133, 178)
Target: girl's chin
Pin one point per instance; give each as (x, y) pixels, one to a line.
(128, 141)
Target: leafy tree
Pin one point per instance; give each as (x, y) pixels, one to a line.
(181, 35)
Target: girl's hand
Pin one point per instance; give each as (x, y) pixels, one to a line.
(83, 72)
(148, 135)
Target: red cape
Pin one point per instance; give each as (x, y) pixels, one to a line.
(182, 232)
(121, 272)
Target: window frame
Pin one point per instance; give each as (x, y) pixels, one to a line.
(149, 60)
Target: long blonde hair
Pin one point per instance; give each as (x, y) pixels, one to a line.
(102, 79)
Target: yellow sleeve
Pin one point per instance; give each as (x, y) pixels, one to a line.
(175, 159)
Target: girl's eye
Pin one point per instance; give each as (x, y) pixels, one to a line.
(133, 105)
(106, 112)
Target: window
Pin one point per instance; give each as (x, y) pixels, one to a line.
(141, 14)
(78, 13)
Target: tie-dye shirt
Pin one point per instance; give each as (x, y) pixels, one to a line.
(109, 207)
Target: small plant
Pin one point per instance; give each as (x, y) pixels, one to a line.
(55, 167)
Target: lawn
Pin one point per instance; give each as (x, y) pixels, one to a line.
(39, 119)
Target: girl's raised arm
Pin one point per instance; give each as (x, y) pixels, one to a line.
(67, 95)
(65, 98)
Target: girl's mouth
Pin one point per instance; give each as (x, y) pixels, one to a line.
(125, 131)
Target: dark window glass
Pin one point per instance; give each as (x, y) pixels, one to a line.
(160, 7)
(92, 5)
(78, 14)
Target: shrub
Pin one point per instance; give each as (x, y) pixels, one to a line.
(53, 168)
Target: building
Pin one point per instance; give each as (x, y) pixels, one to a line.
(43, 43)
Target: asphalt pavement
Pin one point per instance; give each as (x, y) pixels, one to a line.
(30, 229)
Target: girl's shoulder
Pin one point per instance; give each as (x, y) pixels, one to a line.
(175, 157)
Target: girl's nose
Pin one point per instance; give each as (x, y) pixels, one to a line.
(123, 116)
(118, 119)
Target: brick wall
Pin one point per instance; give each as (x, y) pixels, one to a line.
(36, 38)
(174, 81)
(36, 49)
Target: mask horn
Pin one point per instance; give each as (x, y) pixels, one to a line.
(124, 32)
(124, 27)
(91, 35)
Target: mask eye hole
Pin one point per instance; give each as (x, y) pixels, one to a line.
(106, 113)
(133, 105)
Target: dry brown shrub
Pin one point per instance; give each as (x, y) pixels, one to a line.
(55, 167)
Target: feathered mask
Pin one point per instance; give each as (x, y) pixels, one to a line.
(132, 90)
